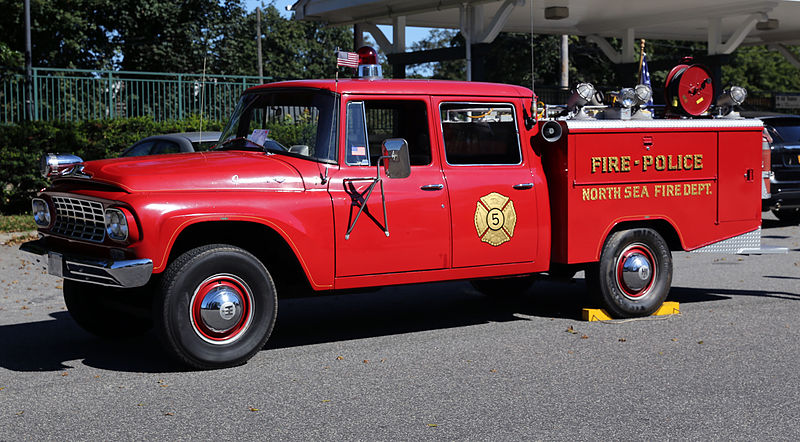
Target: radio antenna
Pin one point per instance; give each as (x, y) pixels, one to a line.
(532, 59)
(532, 119)
(202, 93)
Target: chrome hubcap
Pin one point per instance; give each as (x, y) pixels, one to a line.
(221, 309)
(636, 271)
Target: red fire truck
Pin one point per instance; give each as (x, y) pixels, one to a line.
(329, 185)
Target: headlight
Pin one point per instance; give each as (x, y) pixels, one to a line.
(116, 225)
(41, 212)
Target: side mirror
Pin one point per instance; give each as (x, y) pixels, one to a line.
(300, 149)
(396, 163)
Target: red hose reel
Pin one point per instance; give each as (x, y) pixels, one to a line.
(689, 89)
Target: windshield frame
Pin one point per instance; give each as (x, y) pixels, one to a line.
(235, 127)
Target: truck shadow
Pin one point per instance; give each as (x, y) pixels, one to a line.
(775, 223)
(391, 311)
(59, 344)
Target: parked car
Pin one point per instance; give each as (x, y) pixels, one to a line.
(784, 137)
(173, 143)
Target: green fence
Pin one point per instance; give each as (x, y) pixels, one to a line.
(77, 94)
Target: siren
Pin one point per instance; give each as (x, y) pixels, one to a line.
(551, 131)
(368, 66)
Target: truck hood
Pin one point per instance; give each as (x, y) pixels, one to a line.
(211, 171)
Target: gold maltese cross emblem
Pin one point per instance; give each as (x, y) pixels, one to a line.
(495, 219)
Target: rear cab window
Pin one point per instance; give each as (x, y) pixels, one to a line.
(480, 134)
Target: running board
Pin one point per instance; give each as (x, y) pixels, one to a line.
(745, 244)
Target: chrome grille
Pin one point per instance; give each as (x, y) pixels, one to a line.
(80, 219)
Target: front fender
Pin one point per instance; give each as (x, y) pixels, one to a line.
(303, 219)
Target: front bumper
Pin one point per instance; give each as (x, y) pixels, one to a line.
(114, 273)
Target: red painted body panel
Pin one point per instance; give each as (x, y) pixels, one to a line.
(695, 179)
(405, 87)
(467, 184)
(217, 171)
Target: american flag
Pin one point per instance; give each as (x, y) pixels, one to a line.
(645, 76)
(349, 59)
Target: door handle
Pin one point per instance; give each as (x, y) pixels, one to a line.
(523, 186)
(432, 187)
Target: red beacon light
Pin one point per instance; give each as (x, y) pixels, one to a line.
(368, 66)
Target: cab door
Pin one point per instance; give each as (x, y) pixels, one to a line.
(491, 188)
(413, 234)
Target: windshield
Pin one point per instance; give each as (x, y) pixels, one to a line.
(789, 130)
(298, 122)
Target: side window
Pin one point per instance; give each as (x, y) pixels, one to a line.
(357, 150)
(480, 133)
(166, 147)
(141, 149)
(407, 119)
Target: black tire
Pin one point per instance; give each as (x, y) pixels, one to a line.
(108, 312)
(503, 288)
(788, 216)
(623, 290)
(240, 314)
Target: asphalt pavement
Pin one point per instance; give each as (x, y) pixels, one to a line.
(432, 361)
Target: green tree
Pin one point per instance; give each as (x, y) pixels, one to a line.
(444, 70)
(756, 68)
(165, 36)
(301, 49)
(64, 33)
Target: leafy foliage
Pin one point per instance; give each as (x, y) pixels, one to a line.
(64, 33)
(758, 69)
(215, 36)
(508, 60)
(21, 147)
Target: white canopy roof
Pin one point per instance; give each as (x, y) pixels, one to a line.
(724, 24)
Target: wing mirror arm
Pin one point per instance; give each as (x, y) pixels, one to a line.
(396, 164)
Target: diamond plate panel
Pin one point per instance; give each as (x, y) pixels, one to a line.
(735, 245)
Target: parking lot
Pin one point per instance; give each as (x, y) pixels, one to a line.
(433, 361)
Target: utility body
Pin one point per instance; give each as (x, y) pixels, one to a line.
(325, 185)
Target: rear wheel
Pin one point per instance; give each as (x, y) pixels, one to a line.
(634, 274)
(787, 216)
(108, 312)
(217, 306)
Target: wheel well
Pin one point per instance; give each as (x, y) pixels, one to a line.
(663, 227)
(263, 242)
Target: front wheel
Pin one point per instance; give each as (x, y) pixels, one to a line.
(634, 274)
(217, 307)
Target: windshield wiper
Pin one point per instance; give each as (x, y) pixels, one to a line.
(240, 143)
